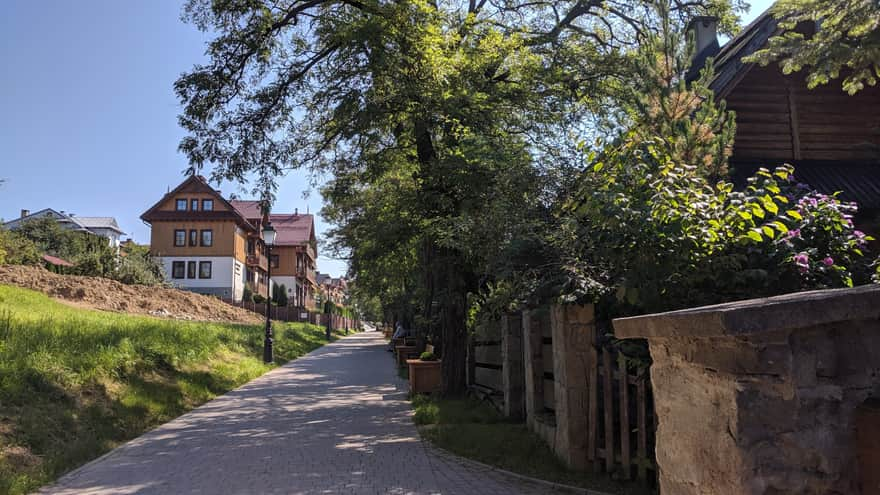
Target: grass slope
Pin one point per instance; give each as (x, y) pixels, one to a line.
(475, 430)
(75, 383)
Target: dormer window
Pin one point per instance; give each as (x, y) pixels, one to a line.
(180, 205)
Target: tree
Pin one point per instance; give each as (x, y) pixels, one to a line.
(441, 105)
(827, 38)
(247, 294)
(653, 226)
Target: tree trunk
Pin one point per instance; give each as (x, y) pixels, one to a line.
(445, 303)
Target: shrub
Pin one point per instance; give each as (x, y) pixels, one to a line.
(428, 356)
(281, 295)
(247, 294)
(259, 299)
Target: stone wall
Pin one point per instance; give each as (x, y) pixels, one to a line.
(761, 396)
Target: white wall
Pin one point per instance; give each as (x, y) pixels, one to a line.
(290, 283)
(222, 270)
(238, 279)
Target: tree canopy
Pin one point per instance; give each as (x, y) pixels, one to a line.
(446, 127)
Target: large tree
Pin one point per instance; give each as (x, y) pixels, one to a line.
(430, 115)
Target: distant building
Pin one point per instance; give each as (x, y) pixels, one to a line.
(211, 245)
(294, 257)
(333, 289)
(102, 226)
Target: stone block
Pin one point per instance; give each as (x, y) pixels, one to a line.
(767, 396)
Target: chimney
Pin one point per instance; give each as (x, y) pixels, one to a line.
(296, 212)
(25, 213)
(705, 36)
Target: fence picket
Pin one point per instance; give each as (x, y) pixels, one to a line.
(608, 403)
(642, 449)
(624, 417)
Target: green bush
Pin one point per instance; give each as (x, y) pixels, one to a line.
(247, 294)
(651, 227)
(259, 299)
(428, 356)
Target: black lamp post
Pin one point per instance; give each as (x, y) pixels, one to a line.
(269, 240)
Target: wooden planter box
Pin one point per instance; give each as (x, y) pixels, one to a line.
(424, 376)
(405, 352)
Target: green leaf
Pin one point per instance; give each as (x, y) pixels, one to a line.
(755, 236)
(781, 227)
(794, 214)
(768, 231)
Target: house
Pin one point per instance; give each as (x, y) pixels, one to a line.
(214, 246)
(333, 289)
(102, 226)
(294, 256)
(831, 137)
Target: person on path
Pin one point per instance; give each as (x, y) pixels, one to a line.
(399, 333)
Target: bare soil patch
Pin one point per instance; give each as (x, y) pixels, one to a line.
(110, 295)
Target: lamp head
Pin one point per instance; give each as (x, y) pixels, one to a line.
(269, 234)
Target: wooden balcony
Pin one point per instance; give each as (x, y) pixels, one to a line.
(257, 261)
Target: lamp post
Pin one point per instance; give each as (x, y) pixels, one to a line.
(269, 240)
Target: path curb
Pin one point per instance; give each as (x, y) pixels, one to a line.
(441, 452)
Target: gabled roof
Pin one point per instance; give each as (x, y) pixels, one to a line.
(46, 212)
(293, 229)
(248, 209)
(196, 183)
(98, 223)
(728, 64)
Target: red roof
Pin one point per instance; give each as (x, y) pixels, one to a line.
(248, 209)
(292, 229)
(52, 260)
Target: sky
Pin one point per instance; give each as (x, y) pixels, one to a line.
(88, 116)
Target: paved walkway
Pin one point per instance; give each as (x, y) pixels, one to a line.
(333, 422)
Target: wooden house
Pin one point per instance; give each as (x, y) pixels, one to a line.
(832, 138)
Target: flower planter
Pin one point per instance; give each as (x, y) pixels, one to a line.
(405, 352)
(424, 376)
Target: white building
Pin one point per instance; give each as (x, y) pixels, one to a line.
(102, 226)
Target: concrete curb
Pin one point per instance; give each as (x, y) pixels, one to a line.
(441, 452)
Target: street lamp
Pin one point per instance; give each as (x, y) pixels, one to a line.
(269, 241)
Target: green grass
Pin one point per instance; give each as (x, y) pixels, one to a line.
(475, 430)
(75, 383)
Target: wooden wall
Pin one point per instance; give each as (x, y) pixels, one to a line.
(226, 241)
(779, 119)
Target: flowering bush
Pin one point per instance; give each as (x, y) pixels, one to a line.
(660, 236)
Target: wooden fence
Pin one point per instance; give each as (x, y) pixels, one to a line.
(485, 363)
(621, 421)
(617, 400)
(296, 314)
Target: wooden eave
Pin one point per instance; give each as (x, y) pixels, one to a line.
(195, 184)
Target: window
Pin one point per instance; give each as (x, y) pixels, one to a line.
(208, 204)
(275, 261)
(207, 238)
(191, 269)
(177, 269)
(193, 237)
(181, 205)
(194, 205)
(180, 238)
(204, 269)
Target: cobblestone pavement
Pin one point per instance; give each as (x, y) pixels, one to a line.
(334, 421)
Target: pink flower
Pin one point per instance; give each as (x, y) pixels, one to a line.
(828, 261)
(802, 260)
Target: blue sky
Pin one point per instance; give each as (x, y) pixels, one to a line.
(89, 117)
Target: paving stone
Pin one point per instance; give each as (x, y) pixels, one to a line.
(333, 422)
